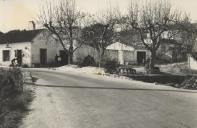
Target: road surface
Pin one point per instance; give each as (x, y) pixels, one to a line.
(81, 101)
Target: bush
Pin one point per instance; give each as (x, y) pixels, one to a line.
(79, 61)
(111, 66)
(189, 83)
(21, 101)
(25, 66)
(14, 100)
(88, 61)
(9, 119)
(11, 82)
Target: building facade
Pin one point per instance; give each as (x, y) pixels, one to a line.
(31, 48)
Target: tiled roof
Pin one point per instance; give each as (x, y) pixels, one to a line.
(1, 33)
(16, 36)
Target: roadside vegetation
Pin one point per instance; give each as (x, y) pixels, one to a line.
(14, 98)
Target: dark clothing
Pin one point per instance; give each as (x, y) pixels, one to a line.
(13, 62)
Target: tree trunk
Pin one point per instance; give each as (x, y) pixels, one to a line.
(71, 49)
(152, 61)
(101, 56)
(70, 55)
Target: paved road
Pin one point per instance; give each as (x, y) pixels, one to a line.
(79, 101)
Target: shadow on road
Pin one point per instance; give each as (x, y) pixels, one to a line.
(111, 88)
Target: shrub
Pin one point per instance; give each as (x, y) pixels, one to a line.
(25, 66)
(88, 61)
(79, 61)
(9, 119)
(11, 83)
(189, 83)
(14, 100)
(21, 102)
(111, 66)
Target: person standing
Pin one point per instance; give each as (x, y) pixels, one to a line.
(59, 59)
(56, 60)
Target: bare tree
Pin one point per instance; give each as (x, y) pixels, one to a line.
(188, 36)
(152, 21)
(64, 21)
(102, 31)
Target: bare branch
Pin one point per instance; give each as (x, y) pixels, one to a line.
(154, 19)
(63, 20)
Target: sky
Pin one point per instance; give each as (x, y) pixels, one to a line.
(16, 14)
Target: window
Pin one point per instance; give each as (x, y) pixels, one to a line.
(6, 55)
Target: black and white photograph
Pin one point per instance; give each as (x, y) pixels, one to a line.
(98, 64)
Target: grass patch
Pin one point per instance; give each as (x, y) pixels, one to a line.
(14, 100)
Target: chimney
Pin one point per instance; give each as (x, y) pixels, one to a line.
(33, 25)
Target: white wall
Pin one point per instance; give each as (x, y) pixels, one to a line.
(112, 54)
(126, 56)
(26, 51)
(46, 42)
(129, 56)
(192, 62)
(84, 51)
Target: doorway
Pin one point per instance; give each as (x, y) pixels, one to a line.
(19, 57)
(141, 57)
(64, 57)
(43, 56)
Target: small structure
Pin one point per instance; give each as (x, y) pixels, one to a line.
(126, 54)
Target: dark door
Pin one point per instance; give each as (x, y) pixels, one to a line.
(43, 56)
(141, 57)
(19, 57)
(64, 57)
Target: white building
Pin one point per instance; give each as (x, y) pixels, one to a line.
(125, 54)
(32, 47)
